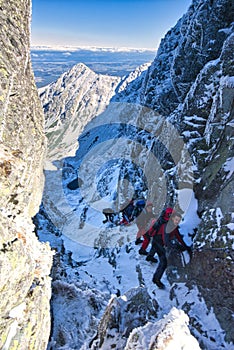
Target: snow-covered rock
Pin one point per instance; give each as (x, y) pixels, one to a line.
(121, 316)
(70, 103)
(25, 285)
(170, 333)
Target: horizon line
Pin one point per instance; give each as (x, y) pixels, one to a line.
(89, 47)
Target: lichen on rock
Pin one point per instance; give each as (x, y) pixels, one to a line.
(25, 263)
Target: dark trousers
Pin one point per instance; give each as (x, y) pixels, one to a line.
(157, 247)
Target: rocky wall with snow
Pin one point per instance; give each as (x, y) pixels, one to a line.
(212, 271)
(191, 83)
(24, 261)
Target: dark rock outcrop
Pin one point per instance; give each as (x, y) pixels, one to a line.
(196, 39)
(212, 272)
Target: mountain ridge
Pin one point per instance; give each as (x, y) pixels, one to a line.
(79, 90)
(90, 48)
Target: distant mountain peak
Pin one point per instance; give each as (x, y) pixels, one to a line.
(70, 103)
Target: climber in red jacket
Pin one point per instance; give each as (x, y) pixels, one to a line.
(168, 236)
(163, 218)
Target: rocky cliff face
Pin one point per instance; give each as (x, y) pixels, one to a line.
(24, 262)
(190, 82)
(197, 38)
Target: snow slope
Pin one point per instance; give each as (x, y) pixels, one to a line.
(87, 279)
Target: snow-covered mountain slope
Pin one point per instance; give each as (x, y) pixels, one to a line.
(74, 100)
(167, 135)
(102, 297)
(70, 103)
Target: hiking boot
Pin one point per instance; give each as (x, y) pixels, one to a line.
(158, 283)
(138, 241)
(151, 258)
(143, 252)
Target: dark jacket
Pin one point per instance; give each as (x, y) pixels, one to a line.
(168, 235)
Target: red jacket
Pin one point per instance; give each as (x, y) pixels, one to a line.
(175, 233)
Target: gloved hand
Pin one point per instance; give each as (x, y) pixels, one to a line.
(174, 244)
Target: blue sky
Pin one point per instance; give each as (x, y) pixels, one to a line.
(105, 23)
